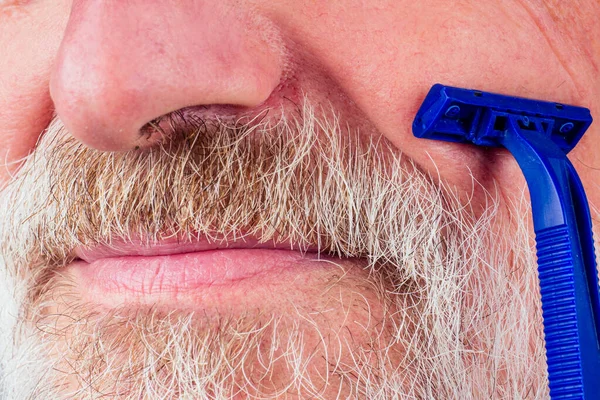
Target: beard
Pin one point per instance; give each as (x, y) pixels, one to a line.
(452, 309)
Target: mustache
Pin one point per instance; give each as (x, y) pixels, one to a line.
(303, 179)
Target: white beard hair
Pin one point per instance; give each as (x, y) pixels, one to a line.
(22, 362)
(491, 348)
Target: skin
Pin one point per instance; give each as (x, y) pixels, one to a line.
(107, 68)
(86, 67)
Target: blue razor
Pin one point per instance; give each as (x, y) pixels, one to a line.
(539, 135)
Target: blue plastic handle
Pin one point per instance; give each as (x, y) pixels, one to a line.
(539, 134)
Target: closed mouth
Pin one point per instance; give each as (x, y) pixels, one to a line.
(195, 273)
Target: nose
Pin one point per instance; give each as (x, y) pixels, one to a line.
(122, 64)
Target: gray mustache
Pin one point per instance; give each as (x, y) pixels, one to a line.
(304, 180)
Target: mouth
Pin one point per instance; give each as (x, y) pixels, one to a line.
(199, 273)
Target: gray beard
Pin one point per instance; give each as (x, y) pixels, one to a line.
(461, 299)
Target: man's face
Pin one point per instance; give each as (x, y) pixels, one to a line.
(224, 199)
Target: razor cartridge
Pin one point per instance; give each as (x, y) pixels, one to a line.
(539, 134)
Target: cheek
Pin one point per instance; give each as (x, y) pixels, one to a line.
(387, 61)
(30, 36)
(21, 123)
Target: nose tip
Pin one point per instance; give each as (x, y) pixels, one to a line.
(118, 69)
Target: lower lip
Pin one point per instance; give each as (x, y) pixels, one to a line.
(146, 277)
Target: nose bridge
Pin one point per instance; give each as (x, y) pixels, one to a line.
(124, 63)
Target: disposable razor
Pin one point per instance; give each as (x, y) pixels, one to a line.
(540, 134)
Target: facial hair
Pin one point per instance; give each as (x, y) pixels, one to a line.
(460, 294)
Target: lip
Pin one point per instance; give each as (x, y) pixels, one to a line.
(183, 272)
(173, 246)
(196, 274)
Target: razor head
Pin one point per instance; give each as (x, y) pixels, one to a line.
(481, 118)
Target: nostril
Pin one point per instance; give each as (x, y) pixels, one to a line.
(154, 131)
(165, 126)
(186, 120)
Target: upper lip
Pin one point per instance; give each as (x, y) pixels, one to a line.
(121, 248)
